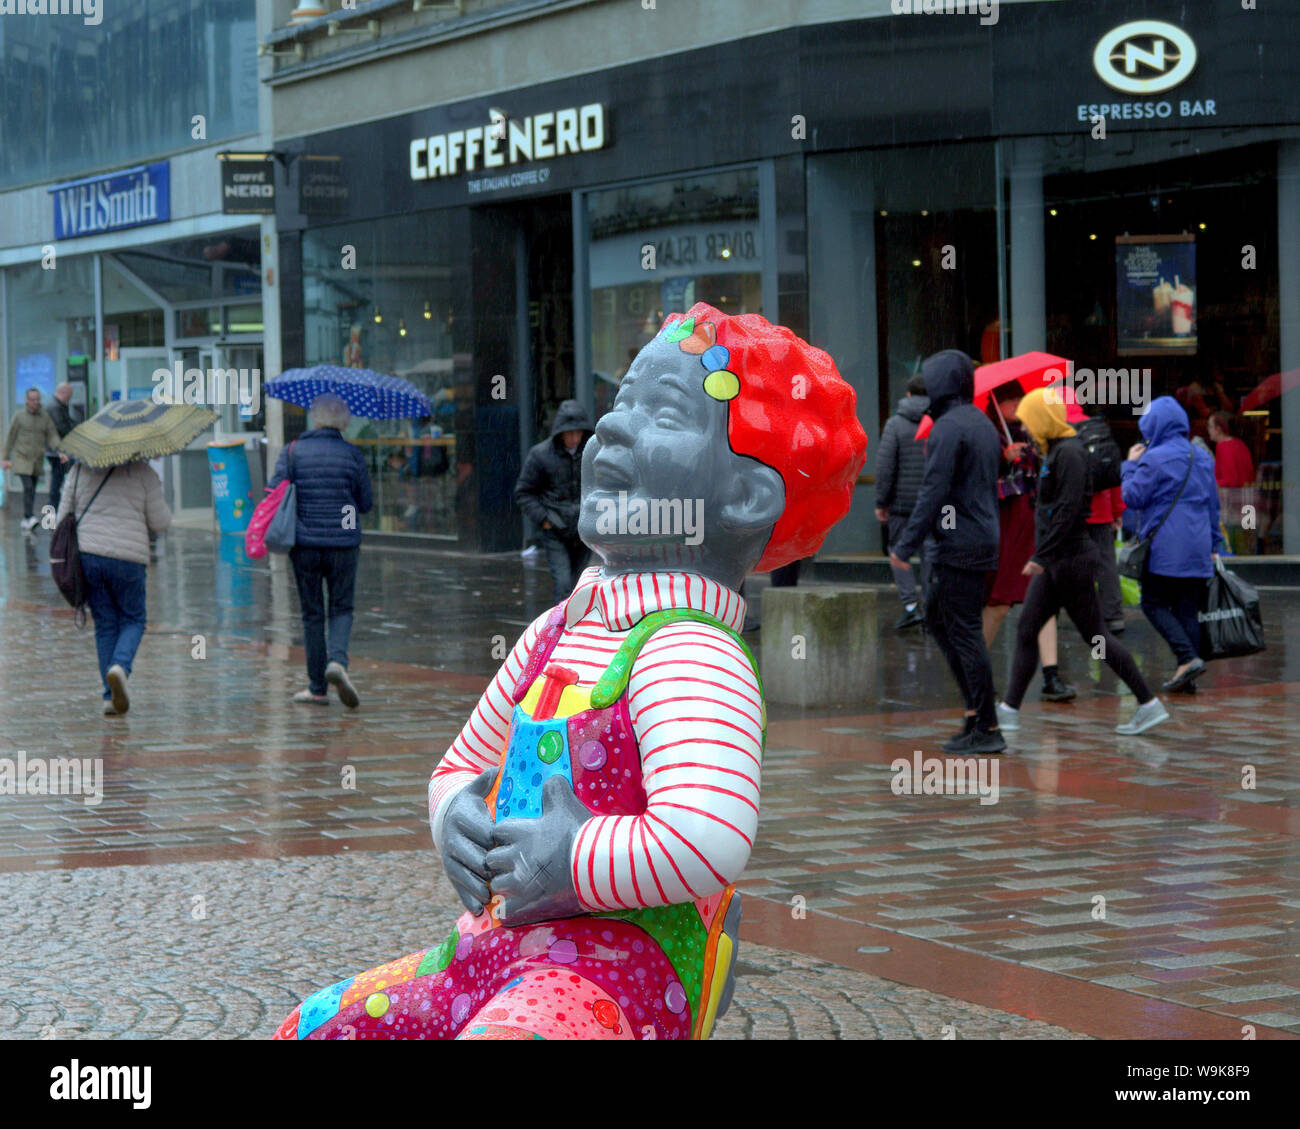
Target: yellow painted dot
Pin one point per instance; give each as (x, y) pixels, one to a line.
(376, 1005)
(722, 384)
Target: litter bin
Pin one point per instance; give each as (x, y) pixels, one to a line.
(232, 492)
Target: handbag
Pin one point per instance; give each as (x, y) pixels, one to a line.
(1231, 624)
(1132, 557)
(65, 553)
(274, 524)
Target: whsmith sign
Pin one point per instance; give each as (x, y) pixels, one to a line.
(98, 204)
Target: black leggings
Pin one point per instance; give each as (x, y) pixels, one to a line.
(1069, 584)
(954, 604)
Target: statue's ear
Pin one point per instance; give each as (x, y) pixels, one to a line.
(757, 498)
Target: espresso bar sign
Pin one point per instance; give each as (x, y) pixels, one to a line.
(248, 186)
(507, 141)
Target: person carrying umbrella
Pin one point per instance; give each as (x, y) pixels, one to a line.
(1064, 567)
(118, 502)
(333, 489)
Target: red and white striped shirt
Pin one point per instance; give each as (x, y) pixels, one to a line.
(698, 720)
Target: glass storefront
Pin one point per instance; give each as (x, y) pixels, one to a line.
(392, 296)
(1151, 266)
(193, 303)
(902, 263)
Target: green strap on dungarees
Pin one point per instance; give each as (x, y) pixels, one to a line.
(610, 686)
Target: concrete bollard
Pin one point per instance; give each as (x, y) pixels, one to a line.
(819, 645)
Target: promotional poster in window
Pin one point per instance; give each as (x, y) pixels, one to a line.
(1155, 294)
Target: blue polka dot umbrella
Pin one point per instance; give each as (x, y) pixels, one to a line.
(371, 395)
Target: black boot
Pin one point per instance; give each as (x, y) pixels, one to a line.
(1054, 689)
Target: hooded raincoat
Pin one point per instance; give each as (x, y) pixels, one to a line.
(958, 501)
(1189, 536)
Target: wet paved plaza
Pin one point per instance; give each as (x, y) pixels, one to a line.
(1117, 888)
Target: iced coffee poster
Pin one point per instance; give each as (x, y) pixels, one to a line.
(1155, 294)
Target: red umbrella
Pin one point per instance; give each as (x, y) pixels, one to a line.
(1032, 370)
(1270, 388)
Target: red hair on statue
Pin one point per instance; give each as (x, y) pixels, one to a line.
(788, 408)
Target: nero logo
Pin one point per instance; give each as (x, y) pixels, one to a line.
(1144, 57)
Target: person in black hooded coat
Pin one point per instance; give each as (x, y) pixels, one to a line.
(958, 507)
(549, 491)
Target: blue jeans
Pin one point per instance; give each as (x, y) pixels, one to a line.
(312, 570)
(1171, 604)
(115, 593)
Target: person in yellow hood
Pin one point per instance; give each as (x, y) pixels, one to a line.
(1065, 564)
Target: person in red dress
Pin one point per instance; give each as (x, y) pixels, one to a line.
(1016, 488)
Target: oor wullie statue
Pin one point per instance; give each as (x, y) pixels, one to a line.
(603, 796)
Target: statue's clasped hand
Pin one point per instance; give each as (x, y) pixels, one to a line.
(529, 866)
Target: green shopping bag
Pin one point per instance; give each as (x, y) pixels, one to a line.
(1129, 589)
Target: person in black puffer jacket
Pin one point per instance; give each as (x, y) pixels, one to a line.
(958, 506)
(1065, 564)
(549, 491)
(333, 489)
(900, 467)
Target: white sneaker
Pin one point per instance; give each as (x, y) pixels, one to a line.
(1007, 717)
(29, 523)
(115, 676)
(1144, 718)
(337, 676)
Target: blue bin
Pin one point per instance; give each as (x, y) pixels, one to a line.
(232, 487)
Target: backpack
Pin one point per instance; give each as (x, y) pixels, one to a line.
(65, 553)
(1104, 457)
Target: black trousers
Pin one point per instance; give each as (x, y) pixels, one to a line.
(57, 469)
(566, 559)
(954, 606)
(1069, 584)
(29, 494)
(1112, 599)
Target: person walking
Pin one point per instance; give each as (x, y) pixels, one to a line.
(31, 434)
(1105, 515)
(65, 419)
(1017, 487)
(900, 467)
(549, 491)
(1064, 565)
(117, 509)
(958, 505)
(333, 490)
(1172, 483)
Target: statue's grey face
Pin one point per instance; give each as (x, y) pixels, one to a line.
(663, 444)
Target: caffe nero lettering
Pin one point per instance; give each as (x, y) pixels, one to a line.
(538, 137)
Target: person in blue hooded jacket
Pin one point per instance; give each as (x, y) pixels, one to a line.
(333, 490)
(1169, 475)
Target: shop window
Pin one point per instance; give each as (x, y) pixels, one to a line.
(664, 246)
(393, 296)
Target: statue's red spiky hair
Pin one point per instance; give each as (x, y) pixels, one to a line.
(789, 408)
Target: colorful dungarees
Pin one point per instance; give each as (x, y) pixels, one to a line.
(658, 973)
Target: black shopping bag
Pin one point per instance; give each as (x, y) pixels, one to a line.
(1231, 625)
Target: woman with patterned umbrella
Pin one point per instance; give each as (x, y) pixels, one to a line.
(368, 394)
(118, 501)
